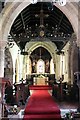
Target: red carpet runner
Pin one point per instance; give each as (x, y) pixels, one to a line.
(41, 106)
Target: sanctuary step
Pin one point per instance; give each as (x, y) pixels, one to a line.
(40, 87)
(42, 117)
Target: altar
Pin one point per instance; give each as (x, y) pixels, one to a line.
(40, 81)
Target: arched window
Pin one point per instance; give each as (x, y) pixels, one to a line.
(40, 66)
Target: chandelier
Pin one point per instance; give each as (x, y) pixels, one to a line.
(60, 2)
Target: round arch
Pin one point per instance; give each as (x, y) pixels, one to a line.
(12, 10)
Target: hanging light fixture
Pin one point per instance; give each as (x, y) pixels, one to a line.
(33, 1)
(60, 2)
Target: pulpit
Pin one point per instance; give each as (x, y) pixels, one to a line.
(3, 81)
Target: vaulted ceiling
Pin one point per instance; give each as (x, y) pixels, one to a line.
(41, 22)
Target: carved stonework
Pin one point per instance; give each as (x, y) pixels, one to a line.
(73, 57)
(74, 36)
(73, 40)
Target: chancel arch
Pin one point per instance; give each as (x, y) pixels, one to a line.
(48, 46)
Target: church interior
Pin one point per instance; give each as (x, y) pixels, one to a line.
(39, 60)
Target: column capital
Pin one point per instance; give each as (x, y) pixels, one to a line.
(74, 37)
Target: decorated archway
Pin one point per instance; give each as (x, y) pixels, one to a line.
(50, 50)
(16, 7)
(13, 9)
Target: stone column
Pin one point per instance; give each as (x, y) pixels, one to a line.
(72, 49)
(78, 78)
(52, 67)
(27, 64)
(78, 83)
(1, 62)
(2, 48)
